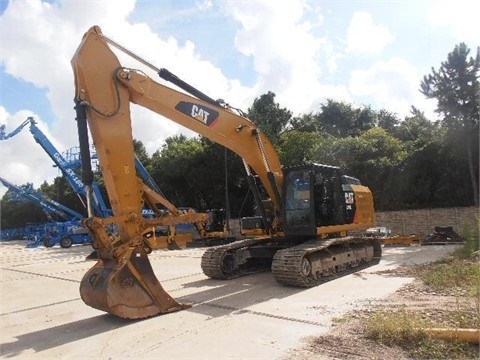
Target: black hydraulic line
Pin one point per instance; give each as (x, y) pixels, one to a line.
(227, 200)
(276, 193)
(174, 79)
(87, 173)
(258, 201)
(165, 74)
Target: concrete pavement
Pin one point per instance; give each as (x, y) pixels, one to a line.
(43, 317)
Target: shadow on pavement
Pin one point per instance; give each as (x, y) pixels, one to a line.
(221, 297)
(62, 334)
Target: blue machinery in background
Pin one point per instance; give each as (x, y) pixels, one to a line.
(54, 232)
(64, 225)
(67, 163)
(65, 167)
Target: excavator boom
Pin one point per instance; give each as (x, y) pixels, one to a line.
(122, 282)
(103, 93)
(218, 124)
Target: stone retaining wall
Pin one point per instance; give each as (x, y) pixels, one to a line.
(409, 222)
(422, 222)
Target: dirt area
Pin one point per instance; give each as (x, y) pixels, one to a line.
(344, 342)
(346, 338)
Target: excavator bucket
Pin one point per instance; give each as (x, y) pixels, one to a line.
(127, 287)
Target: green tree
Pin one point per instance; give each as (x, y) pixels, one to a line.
(140, 152)
(61, 191)
(300, 147)
(417, 129)
(171, 167)
(341, 119)
(456, 87)
(17, 214)
(214, 174)
(306, 123)
(374, 158)
(269, 116)
(387, 120)
(191, 172)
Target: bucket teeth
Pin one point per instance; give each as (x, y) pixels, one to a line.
(127, 289)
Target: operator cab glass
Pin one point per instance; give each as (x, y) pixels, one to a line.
(298, 201)
(315, 195)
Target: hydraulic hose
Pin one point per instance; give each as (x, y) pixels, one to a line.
(87, 173)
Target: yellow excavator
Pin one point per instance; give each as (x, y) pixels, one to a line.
(300, 233)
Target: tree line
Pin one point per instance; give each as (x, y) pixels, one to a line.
(409, 163)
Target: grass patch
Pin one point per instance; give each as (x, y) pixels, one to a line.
(456, 275)
(453, 275)
(400, 327)
(428, 348)
(341, 319)
(471, 234)
(403, 328)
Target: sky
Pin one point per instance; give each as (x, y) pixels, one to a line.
(367, 53)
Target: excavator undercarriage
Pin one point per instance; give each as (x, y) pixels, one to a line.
(307, 264)
(316, 261)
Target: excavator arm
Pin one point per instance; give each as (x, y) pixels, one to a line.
(218, 124)
(108, 88)
(122, 282)
(103, 93)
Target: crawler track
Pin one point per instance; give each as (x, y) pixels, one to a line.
(304, 265)
(316, 261)
(225, 262)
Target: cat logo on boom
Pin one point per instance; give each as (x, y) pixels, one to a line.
(199, 112)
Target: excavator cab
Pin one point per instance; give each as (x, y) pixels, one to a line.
(315, 196)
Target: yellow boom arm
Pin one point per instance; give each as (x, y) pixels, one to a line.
(122, 282)
(108, 88)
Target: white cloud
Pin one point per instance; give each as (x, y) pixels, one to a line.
(3, 115)
(366, 38)
(43, 37)
(204, 4)
(460, 16)
(394, 85)
(285, 53)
